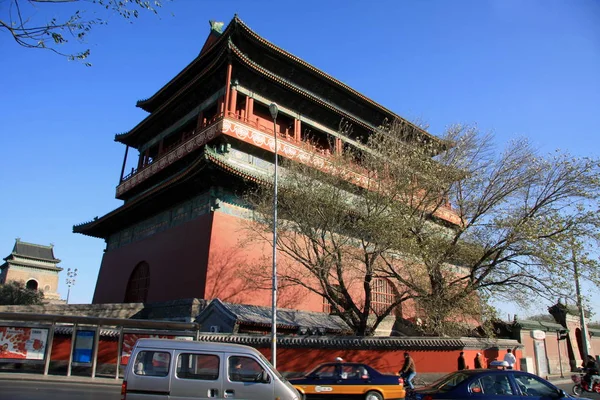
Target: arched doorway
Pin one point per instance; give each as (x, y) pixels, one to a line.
(139, 283)
(32, 284)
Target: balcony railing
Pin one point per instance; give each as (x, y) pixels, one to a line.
(289, 147)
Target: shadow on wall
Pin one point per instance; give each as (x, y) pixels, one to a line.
(489, 356)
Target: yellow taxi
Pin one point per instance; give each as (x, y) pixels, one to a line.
(345, 380)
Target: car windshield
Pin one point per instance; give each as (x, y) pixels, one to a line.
(449, 382)
(277, 373)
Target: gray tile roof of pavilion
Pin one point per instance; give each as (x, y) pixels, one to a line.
(261, 316)
(34, 251)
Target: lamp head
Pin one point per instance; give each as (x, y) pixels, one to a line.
(273, 110)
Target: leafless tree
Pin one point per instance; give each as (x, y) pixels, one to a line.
(449, 222)
(28, 23)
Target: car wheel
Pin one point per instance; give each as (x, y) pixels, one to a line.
(577, 390)
(372, 395)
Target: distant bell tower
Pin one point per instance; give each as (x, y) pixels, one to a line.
(36, 266)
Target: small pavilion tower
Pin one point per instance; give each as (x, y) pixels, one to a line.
(35, 265)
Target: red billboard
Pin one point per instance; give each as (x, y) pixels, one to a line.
(19, 343)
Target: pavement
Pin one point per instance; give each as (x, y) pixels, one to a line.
(20, 376)
(104, 380)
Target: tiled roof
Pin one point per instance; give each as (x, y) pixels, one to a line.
(286, 318)
(261, 316)
(303, 92)
(207, 156)
(222, 163)
(546, 326)
(237, 22)
(338, 342)
(215, 62)
(35, 251)
(328, 77)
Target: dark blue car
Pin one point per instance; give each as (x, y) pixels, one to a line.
(489, 384)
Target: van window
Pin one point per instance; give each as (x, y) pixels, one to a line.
(152, 363)
(244, 369)
(198, 366)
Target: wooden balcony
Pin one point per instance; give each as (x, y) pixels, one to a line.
(258, 134)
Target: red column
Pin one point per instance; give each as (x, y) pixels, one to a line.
(221, 105)
(227, 84)
(250, 109)
(338, 146)
(233, 101)
(200, 121)
(298, 130)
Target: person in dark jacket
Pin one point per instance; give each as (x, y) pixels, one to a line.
(478, 362)
(591, 371)
(408, 371)
(461, 361)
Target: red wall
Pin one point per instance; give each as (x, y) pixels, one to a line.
(107, 349)
(231, 251)
(297, 360)
(386, 361)
(177, 258)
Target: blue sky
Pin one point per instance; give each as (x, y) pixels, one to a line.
(517, 68)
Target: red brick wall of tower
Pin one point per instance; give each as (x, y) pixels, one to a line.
(231, 254)
(177, 258)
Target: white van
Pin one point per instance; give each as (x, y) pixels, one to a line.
(177, 370)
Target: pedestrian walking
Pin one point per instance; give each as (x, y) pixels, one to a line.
(462, 364)
(408, 371)
(478, 362)
(509, 357)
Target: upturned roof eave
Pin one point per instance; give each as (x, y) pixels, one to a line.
(328, 77)
(23, 264)
(54, 260)
(145, 104)
(206, 157)
(87, 226)
(236, 21)
(126, 137)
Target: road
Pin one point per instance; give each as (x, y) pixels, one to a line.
(35, 390)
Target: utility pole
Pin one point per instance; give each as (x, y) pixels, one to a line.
(584, 331)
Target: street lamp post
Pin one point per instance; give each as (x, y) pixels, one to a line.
(273, 110)
(71, 275)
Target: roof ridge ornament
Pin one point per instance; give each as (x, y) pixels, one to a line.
(216, 26)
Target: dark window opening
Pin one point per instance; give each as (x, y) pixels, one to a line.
(31, 284)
